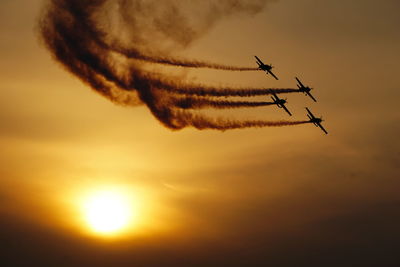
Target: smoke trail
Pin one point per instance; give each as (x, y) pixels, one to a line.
(199, 103)
(201, 90)
(209, 91)
(135, 54)
(136, 9)
(203, 123)
(221, 125)
(69, 30)
(177, 23)
(179, 62)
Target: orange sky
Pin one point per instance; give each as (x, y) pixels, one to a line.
(238, 198)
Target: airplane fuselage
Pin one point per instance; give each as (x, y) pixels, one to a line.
(307, 91)
(280, 102)
(316, 121)
(265, 67)
(304, 89)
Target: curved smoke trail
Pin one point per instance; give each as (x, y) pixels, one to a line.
(73, 33)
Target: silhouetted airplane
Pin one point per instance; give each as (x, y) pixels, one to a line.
(305, 89)
(316, 121)
(265, 67)
(280, 103)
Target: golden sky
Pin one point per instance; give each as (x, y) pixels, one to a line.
(256, 197)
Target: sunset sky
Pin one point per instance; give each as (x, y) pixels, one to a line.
(288, 196)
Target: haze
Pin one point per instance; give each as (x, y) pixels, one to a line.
(286, 196)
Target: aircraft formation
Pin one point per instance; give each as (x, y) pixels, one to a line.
(281, 103)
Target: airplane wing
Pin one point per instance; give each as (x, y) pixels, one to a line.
(302, 85)
(285, 108)
(310, 95)
(259, 60)
(309, 112)
(322, 128)
(273, 75)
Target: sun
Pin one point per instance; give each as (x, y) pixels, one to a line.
(108, 212)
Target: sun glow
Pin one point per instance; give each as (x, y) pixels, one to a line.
(108, 212)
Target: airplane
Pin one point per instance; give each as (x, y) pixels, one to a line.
(280, 103)
(316, 121)
(265, 67)
(305, 89)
